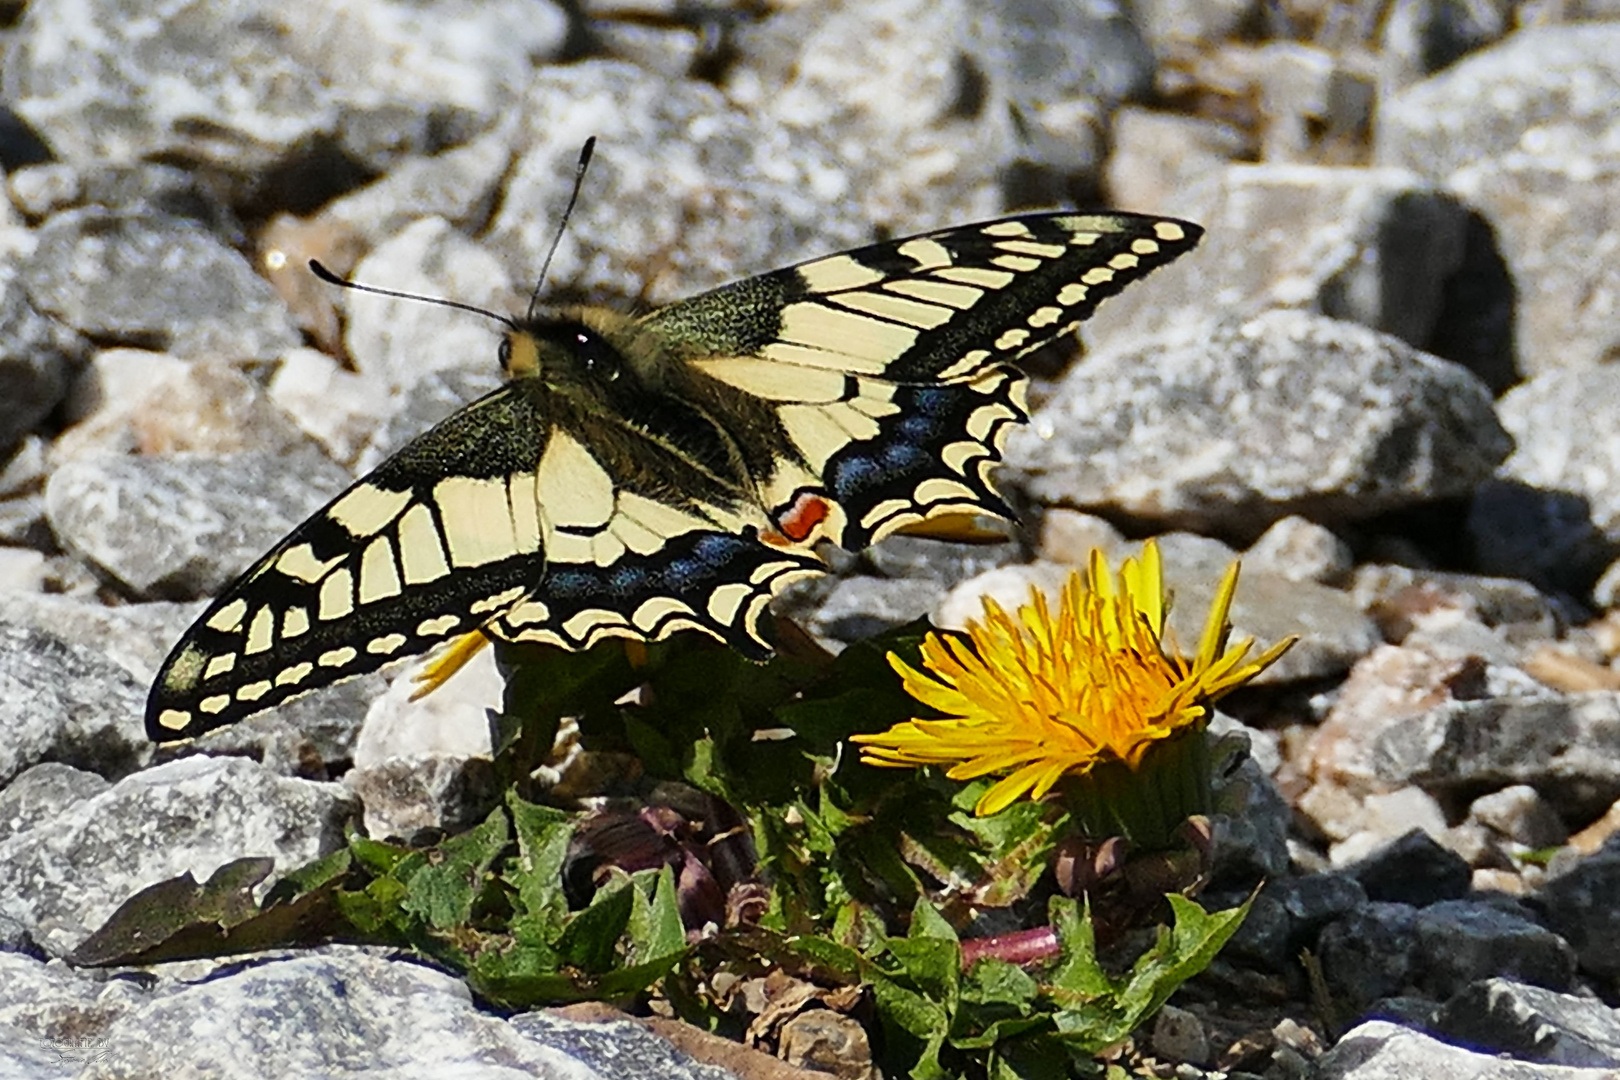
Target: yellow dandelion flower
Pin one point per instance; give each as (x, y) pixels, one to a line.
(1039, 698)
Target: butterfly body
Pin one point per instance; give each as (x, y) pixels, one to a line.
(637, 476)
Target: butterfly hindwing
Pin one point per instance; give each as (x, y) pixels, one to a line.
(431, 544)
(650, 527)
(886, 367)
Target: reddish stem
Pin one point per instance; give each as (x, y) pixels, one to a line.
(1021, 947)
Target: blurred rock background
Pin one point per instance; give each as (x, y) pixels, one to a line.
(1386, 378)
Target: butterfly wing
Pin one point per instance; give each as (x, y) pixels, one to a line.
(650, 526)
(880, 381)
(431, 544)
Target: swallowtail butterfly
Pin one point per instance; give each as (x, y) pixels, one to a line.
(640, 476)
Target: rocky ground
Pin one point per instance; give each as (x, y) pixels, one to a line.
(1386, 379)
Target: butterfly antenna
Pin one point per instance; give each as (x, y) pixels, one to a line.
(332, 279)
(585, 153)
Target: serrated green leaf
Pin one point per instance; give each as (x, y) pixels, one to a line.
(655, 928)
(589, 941)
(931, 957)
(1078, 976)
(927, 922)
(993, 981)
(543, 834)
(1179, 954)
(442, 890)
(907, 1013)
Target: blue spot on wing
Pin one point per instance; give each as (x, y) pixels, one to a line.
(908, 450)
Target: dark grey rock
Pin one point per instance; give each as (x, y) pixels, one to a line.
(156, 282)
(1374, 247)
(1243, 423)
(1264, 939)
(42, 792)
(1542, 535)
(63, 878)
(1380, 1050)
(1578, 905)
(1368, 954)
(1532, 1024)
(184, 525)
(1311, 901)
(38, 357)
(1460, 941)
(1413, 870)
(67, 704)
(1565, 745)
(1251, 827)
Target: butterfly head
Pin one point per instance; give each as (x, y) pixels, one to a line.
(578, 350)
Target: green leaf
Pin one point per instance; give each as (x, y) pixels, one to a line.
(1180, 953)
(177, 916)
(927, 922)
(543, 834)
(443, 889)
(1078, 975)
(589, 940)
(993, 981)
(378, 857)
(310, 877)
(1096, 1012)
(917, 1022)
(655, 928)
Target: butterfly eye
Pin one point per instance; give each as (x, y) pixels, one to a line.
(504, 354)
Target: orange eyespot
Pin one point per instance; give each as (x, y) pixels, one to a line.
(799, 521)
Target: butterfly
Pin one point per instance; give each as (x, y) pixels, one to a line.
(639, 476)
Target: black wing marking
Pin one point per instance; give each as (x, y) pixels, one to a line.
(878, 379)
(436, 541)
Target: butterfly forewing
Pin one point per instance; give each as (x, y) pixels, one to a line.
(886, 367)
(439, 539)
